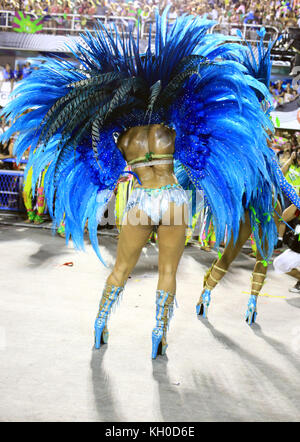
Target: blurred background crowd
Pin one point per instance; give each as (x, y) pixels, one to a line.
(282, 92)
(276, 13)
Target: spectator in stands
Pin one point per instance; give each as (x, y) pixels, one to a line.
(54, 9)
(18, 73)
(241, 8)
(4, 147)
(290, 19)
(282, 92)
(132, 14)
(214, 13)
(285, 155)
(8, 75)
(26, 69)
(66, 8)
(91, 11)
(291, 171)
(83, 7)
(289, 94)
(102, 8)
(278, 91)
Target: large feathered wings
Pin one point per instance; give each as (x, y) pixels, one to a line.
(187, 78)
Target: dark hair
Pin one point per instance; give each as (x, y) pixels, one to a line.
(296, 160)
(292, 241)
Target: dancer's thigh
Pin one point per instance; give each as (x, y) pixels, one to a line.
(233, 248)
(136, 217)
(132, 239)
(171, 238)
(176, 216)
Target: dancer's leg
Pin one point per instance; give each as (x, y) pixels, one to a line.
(259, 275)
(253, 246)
(171, 241)
(258, 278)
(131, 241)
(221, 265)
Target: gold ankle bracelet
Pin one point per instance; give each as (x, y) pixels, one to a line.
(220, 270)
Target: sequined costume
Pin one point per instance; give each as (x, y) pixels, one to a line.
(35, 216)
(123, 191)
(155, 202)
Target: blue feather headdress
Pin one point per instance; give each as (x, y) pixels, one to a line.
(190, 80)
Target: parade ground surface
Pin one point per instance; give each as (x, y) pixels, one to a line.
(218, 369)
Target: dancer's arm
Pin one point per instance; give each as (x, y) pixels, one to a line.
(286, 188)
(288, 215)
(286, 166)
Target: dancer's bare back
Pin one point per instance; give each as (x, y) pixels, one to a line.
(138, 141)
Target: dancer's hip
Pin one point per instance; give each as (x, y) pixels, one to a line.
(156, 201)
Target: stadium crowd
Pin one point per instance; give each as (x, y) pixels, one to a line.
(283, 92)
(278, 13)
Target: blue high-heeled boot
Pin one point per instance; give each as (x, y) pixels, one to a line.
(111, 295)
(164, 312)
(251, 312)
(202, 306)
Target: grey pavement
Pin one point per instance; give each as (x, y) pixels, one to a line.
(215, 370)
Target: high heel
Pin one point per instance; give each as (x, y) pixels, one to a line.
(256, 286)
(111, 294)
(164, 312)
(251, 312)
(158, 348)
(204, 301)
(202, 306)
(101, 337)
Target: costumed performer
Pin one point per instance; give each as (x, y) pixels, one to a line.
(263, 210)
(185, 98)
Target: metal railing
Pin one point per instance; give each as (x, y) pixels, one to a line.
(11, 185)
(72, 24)
(61, 24)
(249, 31)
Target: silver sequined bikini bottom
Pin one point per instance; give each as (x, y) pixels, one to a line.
(155, 202)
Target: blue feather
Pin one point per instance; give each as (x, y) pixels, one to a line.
(217, 115)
